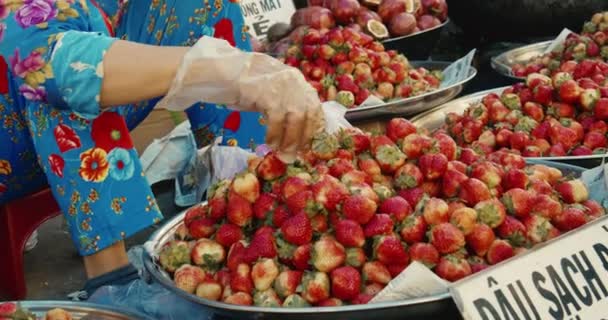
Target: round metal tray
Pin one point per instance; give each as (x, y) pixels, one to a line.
(435, 118)
(417, 46)
(433, 307)
(82, 310)
(504, 62)
(412, 105)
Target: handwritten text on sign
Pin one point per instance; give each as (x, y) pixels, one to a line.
(262, 14)
(565, 279)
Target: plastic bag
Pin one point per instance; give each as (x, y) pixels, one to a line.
(458, 70)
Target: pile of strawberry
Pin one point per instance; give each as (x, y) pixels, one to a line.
(592, 44)
(13, 311)
(338, 225)
(348, 66)
(558, 116)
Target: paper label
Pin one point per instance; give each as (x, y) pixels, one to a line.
(262, 14)
(563, 279)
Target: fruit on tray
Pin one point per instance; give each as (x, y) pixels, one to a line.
(559, 116)
(13, 311)
(592, 43)
(348, 66)
(381, 19)
(337, 225)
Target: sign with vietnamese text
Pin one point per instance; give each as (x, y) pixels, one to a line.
(262, 14)
(564, 279)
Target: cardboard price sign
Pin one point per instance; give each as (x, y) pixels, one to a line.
(563, 279)
(262, 14)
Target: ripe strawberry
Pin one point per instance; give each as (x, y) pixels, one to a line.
(473, 191)
(546, 206)
(355, 257)
(390, 158)
(601, 109)
(271, 167)
(424, 253)
(491, 212)
(380, 224)
(240, 279)
(487, 172)
(370, 166)
(201, 228)
(329, 192)
(315, 287)
(451, 181)
(435, 211)
(412, 196)
(452, 268)
(413, 229)
(465, 219)
(349, 233)
(537, 228)
(515, 178)
(297, 229)
(414, 145)
(262, 245)
(534, 110)
(572, 191)
(375, 272)
(301, 257)
(433, 165)
(500, 250)
(518, 202)
(569, 91)
(570, 218)
(287, 282)
(279, 215)
(195, 213)
(188, 277)
(361, 298)
(514, 231)
(365, 190)
(389, 250)
(331, 302)
(595, 140)
(373, 289)
(408, 176)
(477, 264)
(264, 206)
(480, 239)
(593, 209)
(447, 238)
(359, 208)
(356, 176)
(327, 254)
(338, 167)
(345, 283)
(543, 94)
(396, 269)
(399, 128)
(355, 140)
(228, 234)
(397, 207)
(293, 185)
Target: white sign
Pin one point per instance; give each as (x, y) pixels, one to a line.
(564, 279)
(262, 14)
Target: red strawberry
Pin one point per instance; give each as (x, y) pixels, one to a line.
(236, 255)
(399, 128)
(264, 206)
(573, 191)
(240, 279)
(477, 264)
(451, 181)
(355, 257)
(379, 224)
(319, 223)
(487, 172)
(413, 229)
(365, 190)
(262, 245)
(412, 196)
(447, 238)
(390, 251)
(375, 272)
(195, 213)
(435, 211)
(473, 191)
(390, 158)
(594, 209)
(518, 202)
(355, 140)
(452, 268)
(465, 219)
(569, 91)
(331, 302)
(301, 257)
(414, 145)
(239, 210)
(293, 185)
(561, 110)
(329, 192)
(543, 94)
(315, 287)
(303, 201)
(491, 212)
(370, 166)
(361, 298)
(373, 289)
(338, 167)
(349, 233)
(433, 165)
(537, 228)
(345, 283)
(424, 253)
(356, 176)
(534, 111)
(287, 282)
(546, 206)
(279, 215)
(515, 178)
(202, 228)
(513, 230)
(397, 207)
(359, 208)
(500, 250)
(468, 156)
(595, 140)
(271, 167)
(396, 269)
(408, 176)
(239, 298)
(480, 239)
(297, 229)
(601, 109)
(570, 218)
(327, 254)
(227, 234)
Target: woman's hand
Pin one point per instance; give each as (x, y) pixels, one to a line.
(215, 72)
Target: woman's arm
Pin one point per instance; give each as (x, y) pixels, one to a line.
(135, 72)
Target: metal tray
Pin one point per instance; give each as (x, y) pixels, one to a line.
(412, 105)
(433, 307)
(505, 61)
(435, 118)
(82, 310)
(417, 46)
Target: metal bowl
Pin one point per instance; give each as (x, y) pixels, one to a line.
(504, 62)
(433, 307)
(417, 46)
(435, 118)
(413, 105)
(82, 310)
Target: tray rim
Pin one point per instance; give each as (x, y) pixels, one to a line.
(443, 24)
(77, 306)
(476, 97)
(499, 64)
(153, 269)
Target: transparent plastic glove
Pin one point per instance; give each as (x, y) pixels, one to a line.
(215, 72)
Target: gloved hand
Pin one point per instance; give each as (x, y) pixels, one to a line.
(215, 72)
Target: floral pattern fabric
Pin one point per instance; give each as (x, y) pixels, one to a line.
(52, 130)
